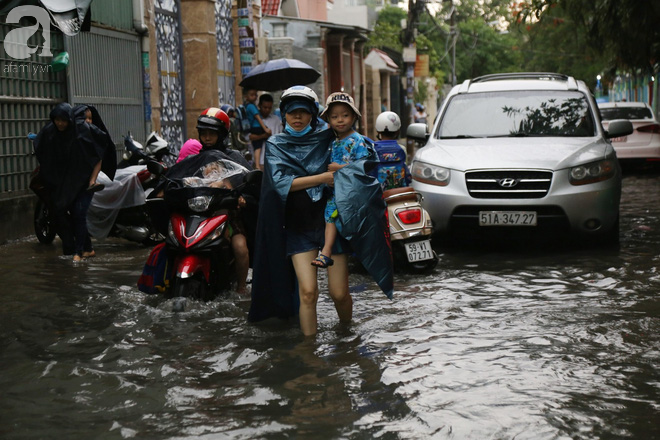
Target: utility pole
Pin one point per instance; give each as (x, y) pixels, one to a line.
(414, 9)
(453, 35)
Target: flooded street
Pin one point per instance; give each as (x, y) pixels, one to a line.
(494, 344)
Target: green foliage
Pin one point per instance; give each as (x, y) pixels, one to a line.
(627, 31)
(387, 30)
(421, 93)
(581, 38)
(555, 43)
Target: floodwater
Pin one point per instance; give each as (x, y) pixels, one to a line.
(494, 344)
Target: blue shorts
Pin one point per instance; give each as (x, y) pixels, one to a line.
(298, 242)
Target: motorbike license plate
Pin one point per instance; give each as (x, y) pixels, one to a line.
(507, 218)
(419, 251)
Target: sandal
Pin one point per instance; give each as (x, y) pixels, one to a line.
(95, 187)
(323, 261)
(77, 258)
(89, 254)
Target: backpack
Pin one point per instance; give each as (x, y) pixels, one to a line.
(242, 119)
(391, 171)
(157, 272)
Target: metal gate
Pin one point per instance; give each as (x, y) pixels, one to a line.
(106, 72)
(224, 37)
(29, 89)
(170, 67)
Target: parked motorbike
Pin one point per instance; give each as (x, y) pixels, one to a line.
(197, 230)
(44, 226)
(155, 148)
(120, 209)
(410, 230)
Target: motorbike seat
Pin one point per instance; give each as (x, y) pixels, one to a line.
(400, 194)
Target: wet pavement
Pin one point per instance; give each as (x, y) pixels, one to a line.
(547, 343)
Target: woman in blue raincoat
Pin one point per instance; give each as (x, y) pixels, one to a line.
(291, 225)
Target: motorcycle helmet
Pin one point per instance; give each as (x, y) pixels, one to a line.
(214, 119)
(228, 109)
(300, 97)
(388, 122)
(156, 146)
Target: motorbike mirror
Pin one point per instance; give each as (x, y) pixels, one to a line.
(228, 203)
(254, 177)
(155, 168)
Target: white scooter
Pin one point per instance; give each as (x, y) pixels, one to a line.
(410, 230)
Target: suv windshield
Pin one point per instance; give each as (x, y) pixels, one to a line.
(517, 113)
(626, 113)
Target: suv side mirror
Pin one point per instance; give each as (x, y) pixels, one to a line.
(418, 132)
(619, 127)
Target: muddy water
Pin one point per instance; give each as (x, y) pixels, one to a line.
(495, 343)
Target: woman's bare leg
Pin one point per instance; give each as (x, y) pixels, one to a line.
(308, 290)
(338, 287)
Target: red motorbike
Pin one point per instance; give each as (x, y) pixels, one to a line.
(197, 229)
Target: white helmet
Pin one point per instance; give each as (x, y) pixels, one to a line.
(300, 94)
(156, 145)
(388, 122)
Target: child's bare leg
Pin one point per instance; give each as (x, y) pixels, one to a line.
(95, 173)
(330, 237)
(257, 159)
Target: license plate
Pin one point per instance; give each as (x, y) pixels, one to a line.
(620, 139)
(507, 218)
(419, 251)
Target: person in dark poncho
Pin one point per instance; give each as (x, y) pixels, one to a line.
(290, 229)
(95, 128)
(68, 148)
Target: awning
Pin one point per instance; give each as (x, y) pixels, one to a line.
(381, 61)
(69, 16)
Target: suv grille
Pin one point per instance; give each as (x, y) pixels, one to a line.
(508, 184)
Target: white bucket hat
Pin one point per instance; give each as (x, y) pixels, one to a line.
(340, 98)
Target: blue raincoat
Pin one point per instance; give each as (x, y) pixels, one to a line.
(274, 288)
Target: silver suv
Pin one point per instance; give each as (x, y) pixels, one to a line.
(520, 152)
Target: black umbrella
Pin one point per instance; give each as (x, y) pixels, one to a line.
(279, 75)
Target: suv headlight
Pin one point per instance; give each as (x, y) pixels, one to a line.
(592, 172)
(431, 174)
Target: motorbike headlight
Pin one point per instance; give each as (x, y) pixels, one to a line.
(199, 203)
(431, 174)
(592, 172)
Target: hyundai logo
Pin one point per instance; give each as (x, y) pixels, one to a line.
(507, 183)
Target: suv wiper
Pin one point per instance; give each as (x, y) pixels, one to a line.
(516, 135)
(460, 136)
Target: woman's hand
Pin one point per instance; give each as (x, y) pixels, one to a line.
(334, 166)
(328, 178)
(241, 202)
(300, 183)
